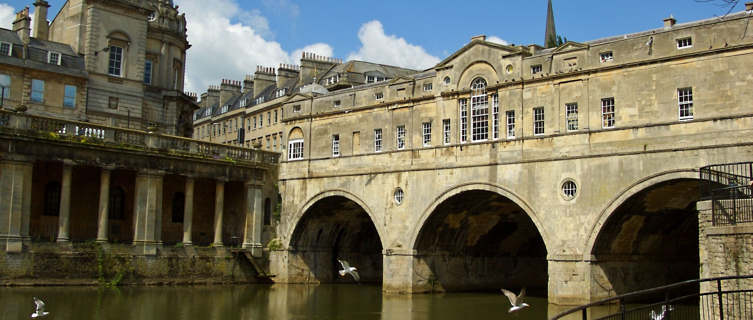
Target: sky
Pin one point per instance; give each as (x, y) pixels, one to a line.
(230, 38)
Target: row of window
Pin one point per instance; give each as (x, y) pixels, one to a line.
(38, 91)
(234, 124)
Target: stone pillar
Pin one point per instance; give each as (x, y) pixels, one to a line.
(254, 220)
(147, 215)
(64, 217)
(188, 213)
(219, 207)
(15, 204)
(397, 270)
(104, 205)
(571, 282)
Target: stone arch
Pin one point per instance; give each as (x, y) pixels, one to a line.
(295, 133)
(477, 69)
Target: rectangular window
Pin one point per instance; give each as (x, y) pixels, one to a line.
(269, 143)
(295, 149)
(37, 90)
(378, 140)
(6, 49)
(275, 116)
(112, 102)
(510, 115)
(607, 113)
(685, 101)
(336, 103)
(269, 118)
(606, 56)
(69, 98)
(463, 120)
(53, 57)
(446, 131)
(495, 116)
(684, 43)
(400, 137)
(116, 61)
(535, 69)
(538, 121)
(335, 145)
(5, 82)
(427, 86)
(426, 132)
(571, 114)
(369, 79)
(379, 96)
(254, 122)
(274, 142)
(148, 72)
(297, 108)
(480, 118)
(248, 124)
(261, 120)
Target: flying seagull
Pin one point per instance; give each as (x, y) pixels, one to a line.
(663, 314)
(516, 301)
(347, 269)
(40, 309)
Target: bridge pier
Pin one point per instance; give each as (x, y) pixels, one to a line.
(398, 270)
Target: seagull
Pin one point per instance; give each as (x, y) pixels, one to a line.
(40, 309)
(660, 316)
(347, 269)
(516, 301)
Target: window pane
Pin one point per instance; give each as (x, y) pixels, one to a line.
(5, 79)
(69, 100)
(37, 90)
(116, 61)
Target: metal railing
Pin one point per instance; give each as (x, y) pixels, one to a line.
(728, 186)
(84, 132)
(719, 298)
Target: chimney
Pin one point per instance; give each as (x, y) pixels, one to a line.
(749, 6)
(286, 72)
(212, 96)
(315, 66)
(669, 22)
(22, 25)
(248, 84)
(41, 28)
(228, 89)
(263, 79)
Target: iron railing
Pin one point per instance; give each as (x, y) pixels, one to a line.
(84, 132)
(728, 187)
(719, 298)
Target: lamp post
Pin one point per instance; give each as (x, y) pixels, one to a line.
(4, 82)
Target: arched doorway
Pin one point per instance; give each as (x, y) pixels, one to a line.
(479, 240)
(335, 227)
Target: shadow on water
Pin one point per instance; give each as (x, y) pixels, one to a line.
(337, 301)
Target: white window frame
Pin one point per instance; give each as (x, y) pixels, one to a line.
(684, 43)
(428, 86)
(607, 113)
(379, 96)
(54, 57)
(495, 116)
(10, 48)
(426, 133)
(370, 79)
(479, 111)
(400, 137)
(536, 69)
(115, 61)
(39, 91)
(295, 149)
(68, 101)
(446, 134)
(606, 56)
(335, 145)
(571, 116)
(539, 124)
(6, 90)
(685, 103)
(510, 123)
(378, 140)
(463, 128)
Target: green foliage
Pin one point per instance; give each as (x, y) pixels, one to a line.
(274, 244)
(556, 41)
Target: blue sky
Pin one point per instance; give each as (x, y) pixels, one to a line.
(412, 34)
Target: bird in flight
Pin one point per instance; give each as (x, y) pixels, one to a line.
(663, 314)
(40, 309)
(516, 301)
(347, 269)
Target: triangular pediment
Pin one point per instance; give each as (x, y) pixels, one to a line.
(503, 50)
(570, 46)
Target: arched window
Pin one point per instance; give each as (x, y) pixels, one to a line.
(116, 206)
(295, 144)
(179, 201)
(267, 211)
(52, 199)
(479, 110)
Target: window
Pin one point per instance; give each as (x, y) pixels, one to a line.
(295, 149)
(379, 96)
(446, 80)
(5, 79)
(335, 145)
(179, 202)
(495, 116)
(369, 79)
(569, 190)
(538, 120)
(248, 124)
(259, 100)
(536, 69)
(571, 114)
(426, 130)
(274, 142)
(510, 115)
(269, 118)
(400, 137)
(479, 111)
(297, 108)
(6, 49)
(52, 199)
(116, 61)
(269, 143)
(685, 100)
(606, 56)
(37, 90)
(275, 116)
(446, 131)
(53, 57)
(399, 195)
(112, 102)
(261, 120)
(69, 98)
(684, 43)
(378, 140)
(336, 103)
(463, 120)
(148, 72)
(607, 113)
(427, 86)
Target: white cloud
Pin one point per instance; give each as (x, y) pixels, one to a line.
(256, 21)
(498, 40)
(320, 48)
(283, 6)
(376, 46)
(7, 15)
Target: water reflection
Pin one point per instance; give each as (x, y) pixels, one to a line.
(258, 302)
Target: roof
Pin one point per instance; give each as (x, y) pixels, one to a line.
(70, 63)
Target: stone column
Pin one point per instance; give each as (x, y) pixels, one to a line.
(104, 205)
(64, 216)
(219, 207)
(188, 213)
(254, 220)
(147, 215)
(15, 204)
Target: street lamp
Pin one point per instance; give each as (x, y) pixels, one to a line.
(4, 82)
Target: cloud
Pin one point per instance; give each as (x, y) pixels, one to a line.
(320, 48)
(257, 22)
(283, 6)
(498, 40)
(376, 46)
(7, 15)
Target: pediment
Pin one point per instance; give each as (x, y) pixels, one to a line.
(473, 46)
(570, 46)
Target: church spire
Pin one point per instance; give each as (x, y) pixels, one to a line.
(550, 38)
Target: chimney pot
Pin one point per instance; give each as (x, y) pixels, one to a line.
(669, 22)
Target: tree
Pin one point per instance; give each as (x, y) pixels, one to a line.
(557, 41)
